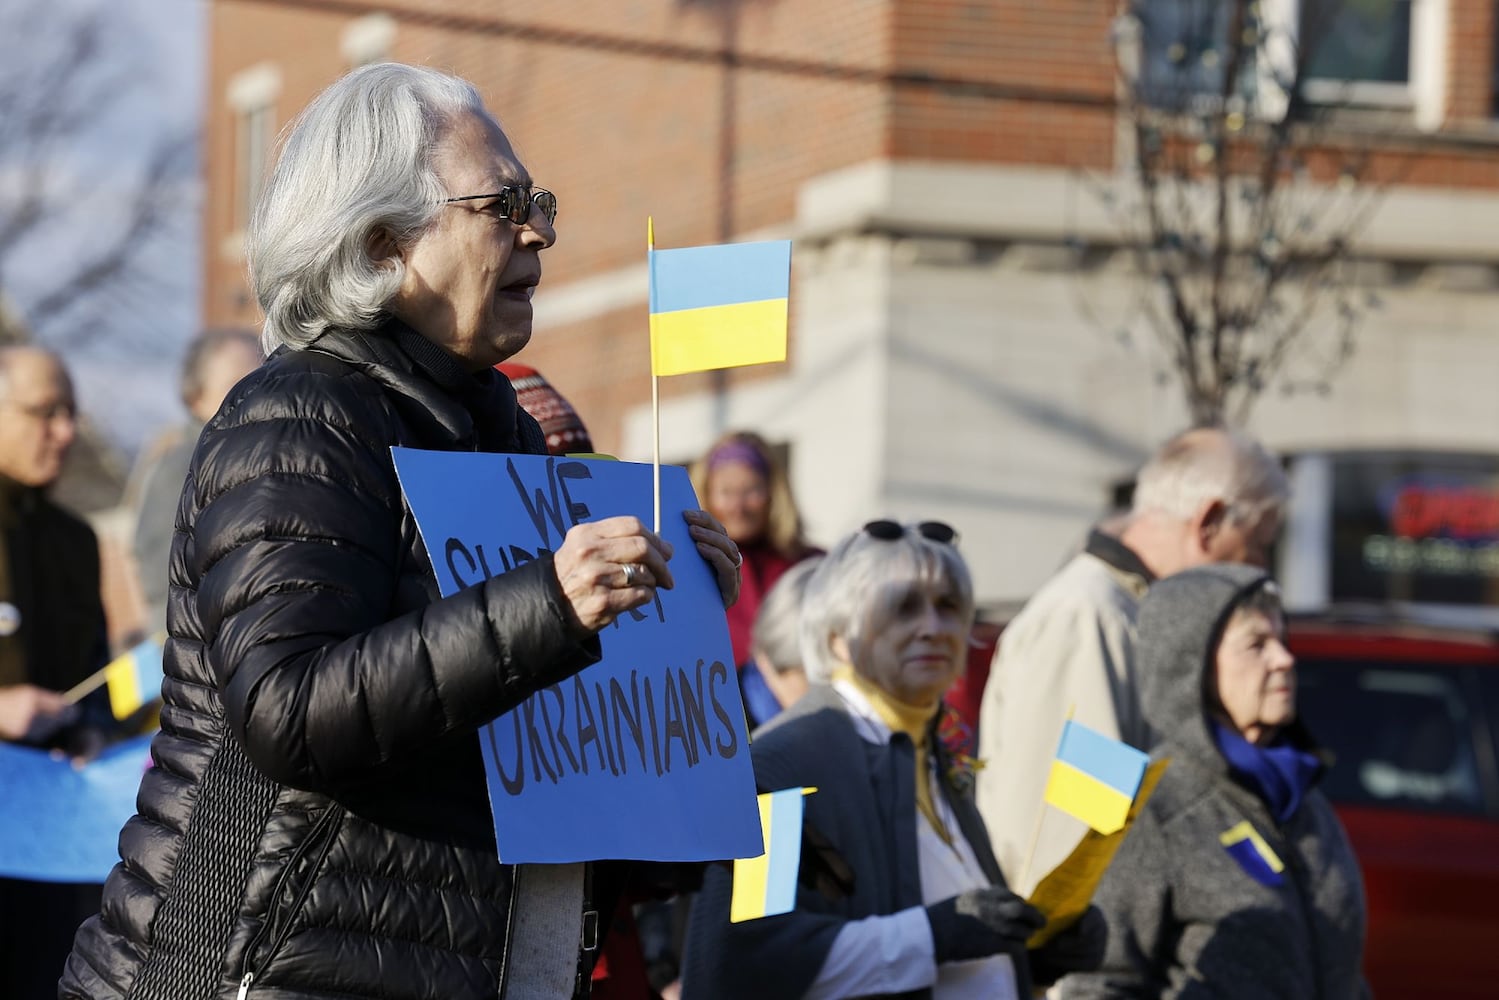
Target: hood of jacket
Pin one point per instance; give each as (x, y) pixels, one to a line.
(1181, 621)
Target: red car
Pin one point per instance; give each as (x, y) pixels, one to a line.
(1412, 716)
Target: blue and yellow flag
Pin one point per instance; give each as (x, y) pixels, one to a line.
(1245, 845)
(766, 885)
(719, 306)
(1095, 778)
(134, 678)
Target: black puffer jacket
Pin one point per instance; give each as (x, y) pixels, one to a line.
(317, 816)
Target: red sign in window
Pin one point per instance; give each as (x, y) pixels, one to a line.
(1466, 513)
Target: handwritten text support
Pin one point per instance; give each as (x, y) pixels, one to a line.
(643, 755)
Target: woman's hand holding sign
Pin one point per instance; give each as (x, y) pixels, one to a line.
(609, 567)
(719, 550)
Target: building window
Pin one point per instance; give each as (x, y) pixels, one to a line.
(252, 102)
(1182, 45)
(253, 133)
(1364, 53)
(368, 39)
(1494, 63)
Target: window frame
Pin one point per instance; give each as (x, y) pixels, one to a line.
(251, 96)
(1424, 93)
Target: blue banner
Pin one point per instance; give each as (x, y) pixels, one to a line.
(62, 824)
(644, 755)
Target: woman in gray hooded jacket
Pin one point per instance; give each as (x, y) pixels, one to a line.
(1238, 880)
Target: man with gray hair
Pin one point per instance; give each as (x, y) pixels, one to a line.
(1208, 495)
(52, 635)
(215, 360)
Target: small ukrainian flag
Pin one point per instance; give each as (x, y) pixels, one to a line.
(1245, 845)
(766, 885)
(719, 306)
(134, 678)
(1095, 778)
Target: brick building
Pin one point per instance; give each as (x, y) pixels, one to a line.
(925, 157)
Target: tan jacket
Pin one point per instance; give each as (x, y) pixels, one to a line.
(1071, 647)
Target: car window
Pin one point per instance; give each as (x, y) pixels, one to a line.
(1488, 681)
(1402, 735)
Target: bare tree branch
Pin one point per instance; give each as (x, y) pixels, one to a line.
(66, 75)
(108, 262)
(1241, 210)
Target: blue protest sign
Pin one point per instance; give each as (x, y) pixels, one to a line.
(61, 824)
(644, 755)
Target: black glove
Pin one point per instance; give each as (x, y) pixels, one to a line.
(980, 923)
(1079, 948)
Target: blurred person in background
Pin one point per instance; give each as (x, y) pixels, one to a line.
(564, 430)
(319, 823)
(1208, 495)
(778, 680)
(1237, 879)
(914, 905)
(215, 360)
(742, 483)
(52, 636)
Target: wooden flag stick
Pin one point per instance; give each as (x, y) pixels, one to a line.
(650, 247)
(656, 447)
(89, 684)
(1030, 853)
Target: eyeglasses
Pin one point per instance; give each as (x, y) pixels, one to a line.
(516, 200)
(934, 531)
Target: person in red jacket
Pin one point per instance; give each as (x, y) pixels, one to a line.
(741, 482)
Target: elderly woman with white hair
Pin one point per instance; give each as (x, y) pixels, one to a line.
(317, 824)
(899, 894)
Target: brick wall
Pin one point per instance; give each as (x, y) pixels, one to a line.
(1009, 81)
(303, 46)
(1470, 61)
(629, 107)
(621, 109)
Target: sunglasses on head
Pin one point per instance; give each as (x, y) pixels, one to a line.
(933, 531)
(515, 201)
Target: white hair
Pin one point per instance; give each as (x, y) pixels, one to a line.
(858, 585)
(356, 165)
(1212, 463)
(777, 638)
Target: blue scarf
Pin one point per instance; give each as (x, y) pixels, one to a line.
(1279, 773)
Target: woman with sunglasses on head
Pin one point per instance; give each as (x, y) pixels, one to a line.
(899, 894)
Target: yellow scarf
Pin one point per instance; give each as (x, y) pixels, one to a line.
(916, 722)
